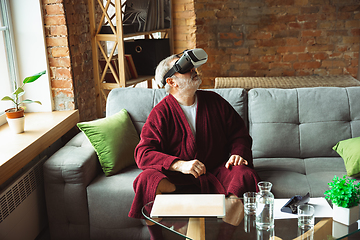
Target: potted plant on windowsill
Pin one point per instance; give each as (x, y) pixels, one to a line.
(15, 116)
(344, 193)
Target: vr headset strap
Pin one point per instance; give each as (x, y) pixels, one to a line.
(171, 72)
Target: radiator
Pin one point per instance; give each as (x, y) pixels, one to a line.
(22, 206)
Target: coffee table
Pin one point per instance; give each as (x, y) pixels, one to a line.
(237, 225)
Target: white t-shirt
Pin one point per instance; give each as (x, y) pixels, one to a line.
(190, 113)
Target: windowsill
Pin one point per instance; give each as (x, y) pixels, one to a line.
(41, 130)
(2, 118)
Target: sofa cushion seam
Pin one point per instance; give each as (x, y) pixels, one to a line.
(348, 99)
(298, 113)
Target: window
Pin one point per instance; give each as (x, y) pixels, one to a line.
(7, 62)
(23, 53)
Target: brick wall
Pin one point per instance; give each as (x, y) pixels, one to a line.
(184, 28)
(242, 38)
(56, 33)
(69, 52)
(77, 16)
(278, 37)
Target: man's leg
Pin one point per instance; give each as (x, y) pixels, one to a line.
(165, 186)
(147, 184)
(238, 179)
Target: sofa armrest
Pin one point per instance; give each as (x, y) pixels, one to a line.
(67, 173)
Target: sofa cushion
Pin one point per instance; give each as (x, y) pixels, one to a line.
(349, 150)
(109, 201)
(284, 174)
(237, 97)
(114, 139)
(294, 176)
(301, 123)
(139, 107)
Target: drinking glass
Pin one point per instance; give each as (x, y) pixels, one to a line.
(306, 216)
(250, 203)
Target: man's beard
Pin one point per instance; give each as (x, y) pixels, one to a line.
(186, 85)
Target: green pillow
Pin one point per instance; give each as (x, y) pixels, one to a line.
(114, 139)
(349, 150)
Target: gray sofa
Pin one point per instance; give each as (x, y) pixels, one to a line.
(293, 132)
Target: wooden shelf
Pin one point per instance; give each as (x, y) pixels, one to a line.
(114, 22)
(112, 37)
(41, 130)
(138, 80)
(127, 35)
(106, 37)
(110, 86)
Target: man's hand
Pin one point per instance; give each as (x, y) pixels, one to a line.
(194, 167)
(235, 160)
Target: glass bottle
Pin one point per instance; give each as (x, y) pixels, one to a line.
(264, 206)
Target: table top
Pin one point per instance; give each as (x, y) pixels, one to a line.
(238, 225)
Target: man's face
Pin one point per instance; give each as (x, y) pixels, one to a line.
(187, 81)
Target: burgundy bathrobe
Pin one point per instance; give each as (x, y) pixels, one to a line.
(166, 136)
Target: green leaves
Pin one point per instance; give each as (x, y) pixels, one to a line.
(343, 192)
(31, 101)
(34, 77)
(7, 98)
(20, 91)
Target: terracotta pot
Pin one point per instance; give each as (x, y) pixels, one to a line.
(11, 113)
(15, 120)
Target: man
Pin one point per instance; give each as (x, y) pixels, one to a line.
(186, 143)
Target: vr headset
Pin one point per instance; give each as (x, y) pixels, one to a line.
(190, 59)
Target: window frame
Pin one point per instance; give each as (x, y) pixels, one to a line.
(30, 52)
(7, 29)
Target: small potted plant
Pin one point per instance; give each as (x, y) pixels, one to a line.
(15, 116)
(344, 193)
